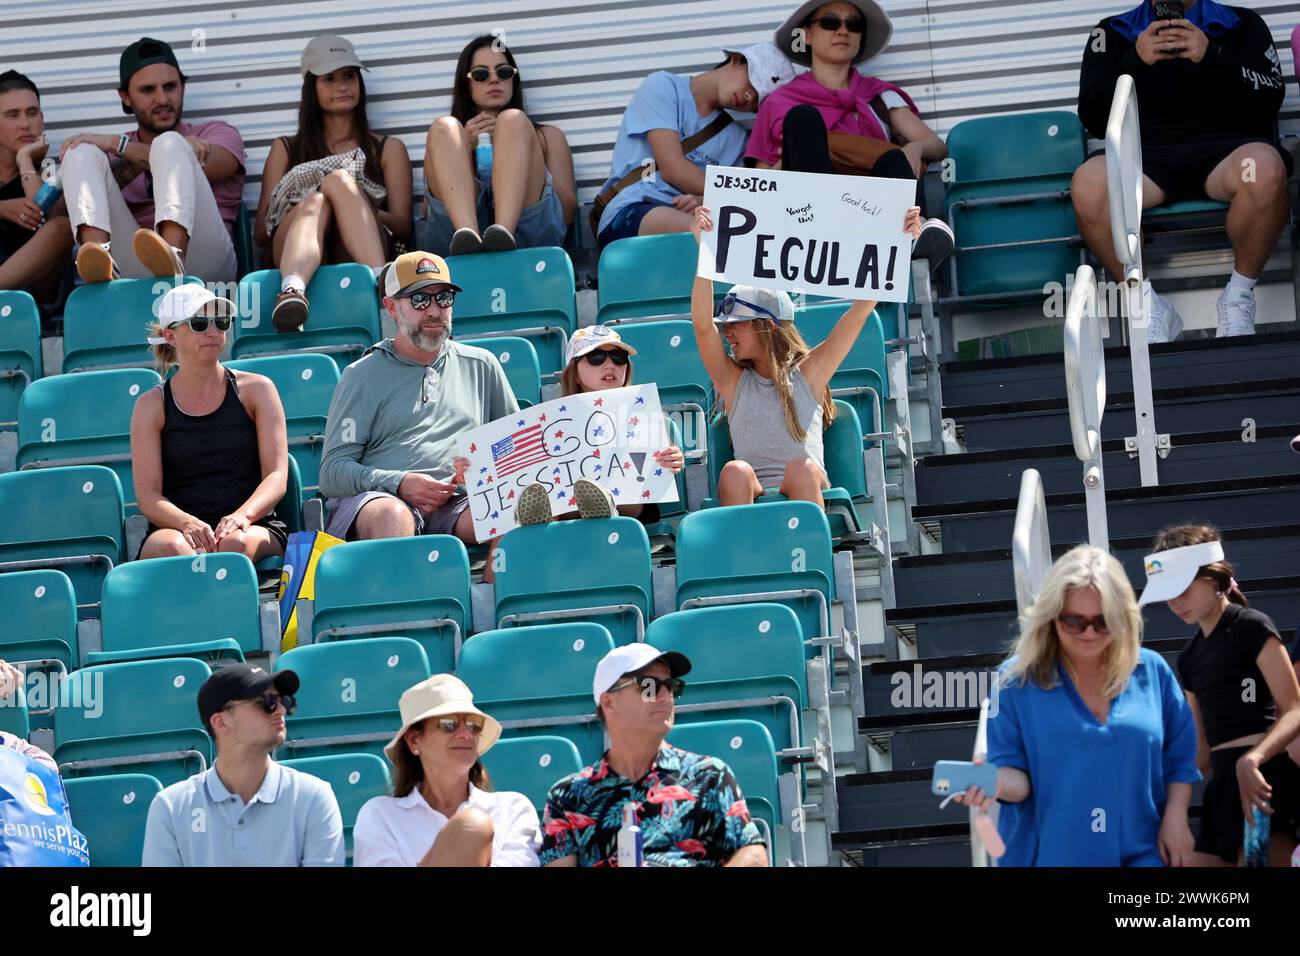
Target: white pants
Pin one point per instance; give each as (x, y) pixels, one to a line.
(182, 195)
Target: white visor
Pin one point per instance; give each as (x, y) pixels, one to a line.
(1170, 573)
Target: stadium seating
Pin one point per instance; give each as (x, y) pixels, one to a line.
(41, 620)
(305, 383)
(203, 607)
(14, 714)
(666, 354)
(411, 587)
(65, 518)
(645, 276)
(777, 551)
(105, 324)
(111, 813)
(531, 765)
(519, 359)
(20, 352)
(349, 693)
(537, 680)
(528, 293)
(83, 420)
(344, 318)
(132, 717)
(864, 366)
(595, 570)
(354, 778)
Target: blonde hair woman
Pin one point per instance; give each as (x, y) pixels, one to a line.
(1094, 742)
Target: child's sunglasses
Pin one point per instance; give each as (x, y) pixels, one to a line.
(597, 358)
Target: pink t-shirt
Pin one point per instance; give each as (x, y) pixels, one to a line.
(229, 193)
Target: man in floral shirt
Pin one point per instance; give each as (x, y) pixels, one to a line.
(689, 807)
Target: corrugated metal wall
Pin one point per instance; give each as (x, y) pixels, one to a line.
(581, 60)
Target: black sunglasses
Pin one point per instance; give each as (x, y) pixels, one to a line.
(269, 702)
(676, 686)
(199, 323)
(1076, 624)
(481, 74)
(831, 23)
(420, 300)
(617, 356)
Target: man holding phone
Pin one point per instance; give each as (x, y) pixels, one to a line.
(1209, 87)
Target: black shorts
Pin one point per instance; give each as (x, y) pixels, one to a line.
(1180, 169)
(1222, 821)
(278, 529)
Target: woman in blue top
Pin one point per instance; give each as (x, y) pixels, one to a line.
(1093, 740)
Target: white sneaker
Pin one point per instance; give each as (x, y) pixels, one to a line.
(1164, 324)
(1236, 312)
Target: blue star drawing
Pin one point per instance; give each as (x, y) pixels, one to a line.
(600, 430)
(563, 408)
(640, 401)
(560, 494)
(495, 515)
(599, 468)
(520, 423)
(555, 471)
(631, 436)
(557, 447)
(480, 483)
(615, 492)
(659, 472)
(482, 471)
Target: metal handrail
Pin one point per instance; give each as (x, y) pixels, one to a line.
(1085, 385)
(1031, 542)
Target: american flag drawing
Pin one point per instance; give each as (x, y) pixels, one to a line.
(519, 450)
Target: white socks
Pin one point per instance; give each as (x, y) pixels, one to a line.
(293, 283)
(1239, 281)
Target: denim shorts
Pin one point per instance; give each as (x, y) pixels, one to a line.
(541, 224)
(626, 222)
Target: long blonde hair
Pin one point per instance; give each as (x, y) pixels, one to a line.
(1037, 651)
(786, 348)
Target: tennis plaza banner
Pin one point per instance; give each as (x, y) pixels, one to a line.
(609, 437)
(838, 236)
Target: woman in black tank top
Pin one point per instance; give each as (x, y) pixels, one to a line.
(1242, 690)
(208, 446)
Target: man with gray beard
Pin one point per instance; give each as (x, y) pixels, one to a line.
(389, 467)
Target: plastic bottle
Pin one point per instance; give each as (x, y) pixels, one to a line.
(629, 839)
(50, 191)
(1255, 838)
(483, 157)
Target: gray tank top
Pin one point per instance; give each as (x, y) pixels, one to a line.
(759, 434)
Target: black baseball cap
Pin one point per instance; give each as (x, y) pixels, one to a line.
(241, 682)
(145, 51)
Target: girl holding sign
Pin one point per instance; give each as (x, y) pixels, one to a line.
(775, 390)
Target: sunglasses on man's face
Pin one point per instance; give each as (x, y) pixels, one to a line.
(269, 702)
(199, 323)
(597, 358)
(449, 725)
(421, 300)
(1076, 624)
(831, 23)
(481, 74)
(676, 686)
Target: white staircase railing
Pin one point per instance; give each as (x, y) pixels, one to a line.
(1085, 384)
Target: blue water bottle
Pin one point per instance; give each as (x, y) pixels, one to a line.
(50, 191)
(1255, 837)
(483, 158)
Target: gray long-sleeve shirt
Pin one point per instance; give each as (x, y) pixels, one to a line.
(390, 416)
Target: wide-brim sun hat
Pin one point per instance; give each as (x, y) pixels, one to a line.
(441, 695)
(592, 337)
(876, 38)
(1171, 572)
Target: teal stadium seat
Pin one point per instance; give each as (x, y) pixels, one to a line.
(14, 715)
(537, 680)
(343, 323)
(666, 354)
(778, 551)
(354, 778)
(864, 366)
(528, 293)
(40, 629)
(65, 518)
(519, 359)
(133, 717)
(643, 276)
(348, 701)
(203, 607)
(531, 765)
(305, 383)
(83, 420)
(105, 324)
(998, 162)
(396, 587)
(20, 352)
(593, 570)
(111, 812)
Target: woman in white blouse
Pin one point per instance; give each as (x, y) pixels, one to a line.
(443, 811)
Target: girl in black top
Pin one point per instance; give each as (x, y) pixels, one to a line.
(1242, 691)
(209, 446)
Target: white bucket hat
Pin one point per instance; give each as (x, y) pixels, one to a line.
(1170, 573)
(440, 696)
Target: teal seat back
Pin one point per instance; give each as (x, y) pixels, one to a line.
(343, 320)
(523, 289)
(1017, 146)
(354, 778)
(747, 748)
(20, 352)
(106, 323)
(865, 364)
(58, 513)
(350, 688)
(14, 714)
(543, 671)
(531, 765)
(215, 595)
(111, 812)
(646, 275)
(666, 354)
(40, 611)
(518, 358)
(842, 449)
(571, 565)
(131, 709)
(396, 581)
(86, 416)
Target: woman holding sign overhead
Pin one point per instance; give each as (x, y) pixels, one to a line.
(775, 390)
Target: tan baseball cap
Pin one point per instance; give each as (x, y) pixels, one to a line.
(414, 271)
(325, 54)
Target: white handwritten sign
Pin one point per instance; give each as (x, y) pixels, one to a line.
(825, 235)
(609, 437)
